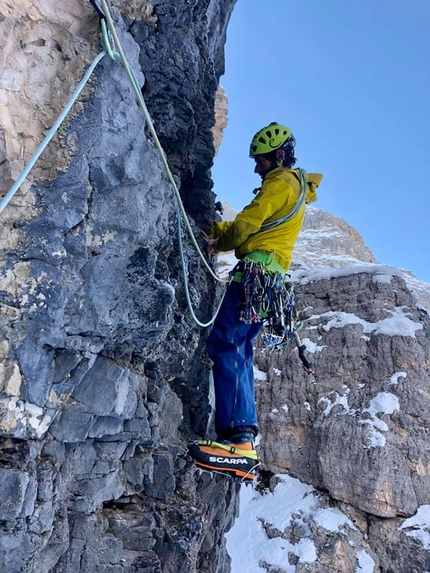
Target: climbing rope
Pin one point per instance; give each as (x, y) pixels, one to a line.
(150, 125)
(180, 205)
(300, 202)
(9, 195)
(116, 53)
(187, 291)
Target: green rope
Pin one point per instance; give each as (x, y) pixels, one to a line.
(187, 291)
(148, 120)
(107, 42)
(9, 195)
(295, 209)
(109, 33)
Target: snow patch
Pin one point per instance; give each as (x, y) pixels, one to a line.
(339, 399)
(332, 519)
(292, 503)
(323, 273)
(312, 346)
(419, 525)
(399, 324)
(365, 563)
(247, 542)
(383, 279)
(394, 380)
(259, 374)
(382, 403)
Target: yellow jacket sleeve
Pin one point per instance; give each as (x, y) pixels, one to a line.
(313, 179)
(272, 196)
(220, 228)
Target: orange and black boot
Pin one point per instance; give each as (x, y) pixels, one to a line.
(237, 460)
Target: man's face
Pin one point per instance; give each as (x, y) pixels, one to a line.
(262, 165)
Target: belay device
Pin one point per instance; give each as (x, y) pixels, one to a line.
(269, 298)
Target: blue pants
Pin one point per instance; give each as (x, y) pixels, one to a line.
(230, 346)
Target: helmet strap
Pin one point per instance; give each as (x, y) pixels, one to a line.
(280, 157)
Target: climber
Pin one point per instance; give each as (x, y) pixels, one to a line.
(264, 233)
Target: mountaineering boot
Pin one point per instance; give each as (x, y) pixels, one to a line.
(237, 460)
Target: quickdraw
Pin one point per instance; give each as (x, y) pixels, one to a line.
(253, 283)
(270, 298)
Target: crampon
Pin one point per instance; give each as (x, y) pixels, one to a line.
(238, 461)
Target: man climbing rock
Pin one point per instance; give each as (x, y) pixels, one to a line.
(263, 236)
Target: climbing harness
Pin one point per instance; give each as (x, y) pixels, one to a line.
(113, 49)
(270, 298)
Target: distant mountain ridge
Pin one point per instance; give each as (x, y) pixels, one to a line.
(327, 240)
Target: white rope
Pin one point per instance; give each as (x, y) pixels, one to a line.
(150, 124)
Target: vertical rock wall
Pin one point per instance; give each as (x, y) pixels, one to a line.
(358, 428)
(101, 381)
(101, 378)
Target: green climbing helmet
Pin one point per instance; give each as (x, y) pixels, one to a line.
(271, 138)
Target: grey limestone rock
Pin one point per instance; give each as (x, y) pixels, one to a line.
(98, 351)
(358, 427)
(101, 374)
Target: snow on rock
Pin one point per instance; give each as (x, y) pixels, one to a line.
(248, 543)
(305, 276)
(365, 563)
(382, 274)
(332, 519)
(312, 346)
(418, 526)
(259, 374)
(283, 528)
(339, 399)
(382, 403)
(398, 324)
(394, 380)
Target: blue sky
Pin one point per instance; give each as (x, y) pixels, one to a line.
(351, 78)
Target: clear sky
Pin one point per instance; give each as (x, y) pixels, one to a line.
(351, 79)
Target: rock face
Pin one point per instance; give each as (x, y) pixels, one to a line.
(221, 120)
(101, 377)
(329, 241)
(358, 428)
(99, 358)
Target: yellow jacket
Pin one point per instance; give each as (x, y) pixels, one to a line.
(278, 196)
